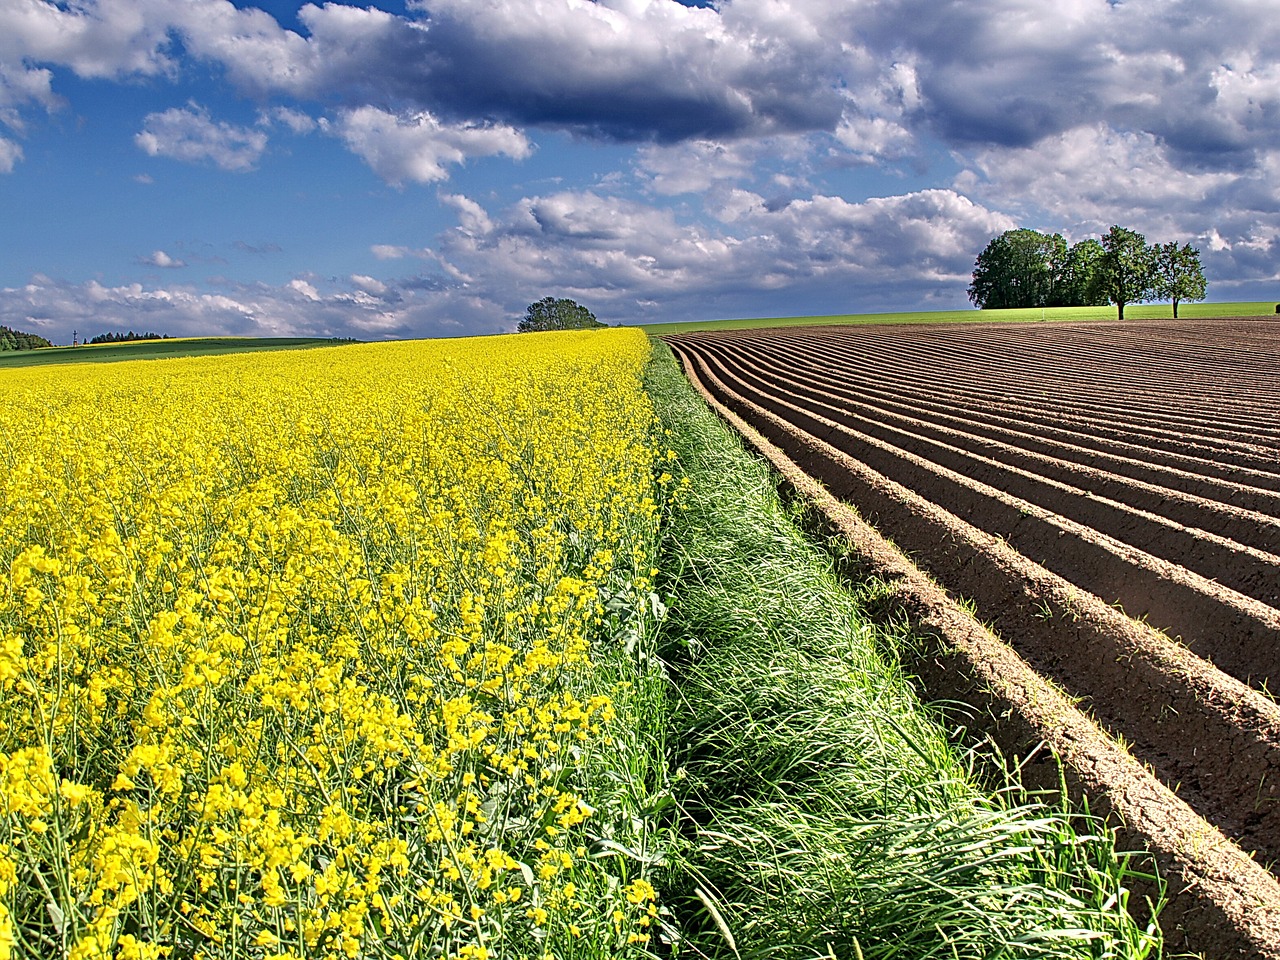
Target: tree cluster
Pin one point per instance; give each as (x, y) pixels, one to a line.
(551, 313)
(1025, 268)
(17, 340)
(127, 337)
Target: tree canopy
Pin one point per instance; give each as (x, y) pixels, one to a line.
(551, 313)
(17, 340)
(1025, 268)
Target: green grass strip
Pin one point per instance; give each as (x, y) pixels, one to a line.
(825, 814)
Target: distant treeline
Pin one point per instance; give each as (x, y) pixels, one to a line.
(126, 337)
(17, 340)
(1025, 268)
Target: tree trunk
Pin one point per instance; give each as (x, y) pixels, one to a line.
(1120, 311)
(1175, 308)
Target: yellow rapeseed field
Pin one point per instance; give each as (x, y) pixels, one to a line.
(296, 651)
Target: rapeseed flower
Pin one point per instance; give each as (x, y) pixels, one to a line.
(296, 650)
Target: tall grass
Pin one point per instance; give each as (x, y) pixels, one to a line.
(826, 814)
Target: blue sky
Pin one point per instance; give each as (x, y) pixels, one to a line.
(429, 168)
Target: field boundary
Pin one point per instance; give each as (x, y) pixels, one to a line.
(1243, 310)
(1222, 903)
(173, 348)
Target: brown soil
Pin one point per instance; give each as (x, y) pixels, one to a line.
(1242, 513)
(1039, 545)
(982, 379)
(1065, 531)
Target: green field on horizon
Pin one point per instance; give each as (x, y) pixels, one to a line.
(1145, 311)
(158, 349)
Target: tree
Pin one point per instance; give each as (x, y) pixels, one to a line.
(1019, 268)
(1178, 274)
(1126, 272)
(550, 313)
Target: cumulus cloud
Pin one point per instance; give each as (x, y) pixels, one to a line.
(1013, 75)
(161, 259)
(418, 146)
(21, 86)
(191, 135)
(370, 285)
(652, 69)
(875, 77)
(1009, 73)
(1093, 175)
(294, 120)
(626, 69)
(629, 261)
(304, 289)
(694, 166)
(620, 253)
(10, 154)
(94, 39)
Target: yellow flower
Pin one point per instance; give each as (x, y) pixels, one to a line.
(315, 631)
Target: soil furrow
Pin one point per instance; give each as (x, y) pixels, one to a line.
(1176, 495)
(1224, 904)
(1093, 398)
(989, 376)
(1235, 630)
(1108, 440)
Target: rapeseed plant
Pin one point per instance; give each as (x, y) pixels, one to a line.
(296, 652)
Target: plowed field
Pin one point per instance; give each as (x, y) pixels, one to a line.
(1106, 496)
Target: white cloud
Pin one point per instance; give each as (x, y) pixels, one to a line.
(305, 289)
(472, 218)
(94, 39)
(387, 251)
(413, 307)
(872, 138)
(191, 135)
(295, 120)
(10, 154)
(1092, 176)
(1069, 116)
(370, 285)
(694, 166)
(20, 86)
(733, 205)
(418, 146)
(161, 259)
(619, 253)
